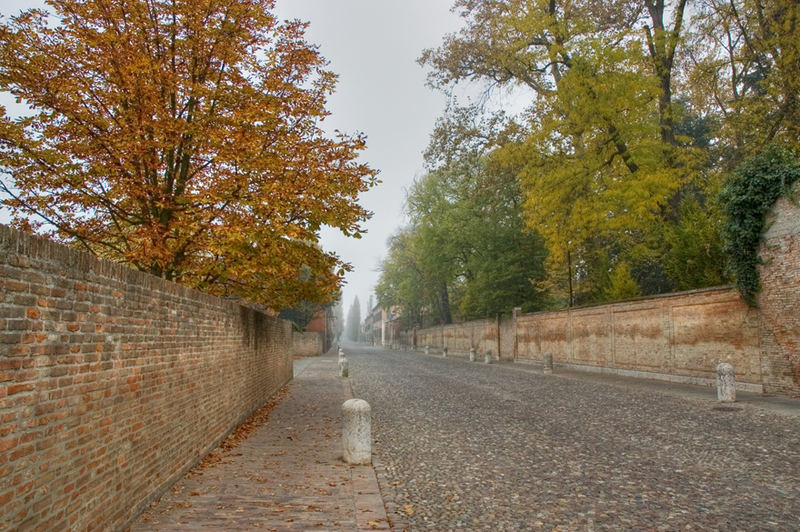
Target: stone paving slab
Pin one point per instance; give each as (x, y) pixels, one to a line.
(287, 475)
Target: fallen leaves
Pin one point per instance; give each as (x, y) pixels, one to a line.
(239, 434)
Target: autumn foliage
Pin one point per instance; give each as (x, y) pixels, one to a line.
(183, 138)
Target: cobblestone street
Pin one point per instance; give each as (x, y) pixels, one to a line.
(467, 446)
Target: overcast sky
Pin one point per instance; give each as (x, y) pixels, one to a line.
(373, 46)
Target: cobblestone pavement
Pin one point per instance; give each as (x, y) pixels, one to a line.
(288, 473)
(466, 446)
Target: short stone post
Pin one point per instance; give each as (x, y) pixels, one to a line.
(726, 383)
(487, 358)
(357, 432)
(444, 352)
(344, 367)
(427, 350)
(472, 354)
(548, 362)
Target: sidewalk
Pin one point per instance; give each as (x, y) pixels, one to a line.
(287, 475)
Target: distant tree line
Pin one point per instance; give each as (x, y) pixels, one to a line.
(609, 186)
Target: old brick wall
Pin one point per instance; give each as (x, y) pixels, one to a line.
(460, 337)
(113, 383)
(306, 344)
(684, 334)
(779, 300)
(680, 336)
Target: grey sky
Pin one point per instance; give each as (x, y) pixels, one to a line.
(373, 46)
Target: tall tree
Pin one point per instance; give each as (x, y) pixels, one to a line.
(183, 139)
(742, 71)
(353, 325)
(601, 162)
(466, 252)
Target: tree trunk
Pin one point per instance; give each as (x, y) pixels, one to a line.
(447, 318)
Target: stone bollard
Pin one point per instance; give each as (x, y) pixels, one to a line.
(548, 362)
(487, 358)
(427, 350)
(726, 383)
(472, 354)
(444, 352)
(344, 368)
(357, 432)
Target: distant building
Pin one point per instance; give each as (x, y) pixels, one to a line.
(323, 323)
(381, 326)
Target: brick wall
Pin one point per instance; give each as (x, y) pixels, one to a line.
(683, 335)
(779, 300)
(679, 337)
(113, 383)
(306, 344)
(459, 338)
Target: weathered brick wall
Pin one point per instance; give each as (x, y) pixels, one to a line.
(460, 337)
(779, 300)
(685, 334)
(507, 338)
(306, 344)
(114, 382)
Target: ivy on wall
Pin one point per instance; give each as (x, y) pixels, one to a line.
(747, 196)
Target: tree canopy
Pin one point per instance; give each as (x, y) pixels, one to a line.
(465, 252)
(182, 138)
(638, 112)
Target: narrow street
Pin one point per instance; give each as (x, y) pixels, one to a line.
(462, 445)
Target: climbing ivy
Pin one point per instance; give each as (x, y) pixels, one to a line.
(746, 197)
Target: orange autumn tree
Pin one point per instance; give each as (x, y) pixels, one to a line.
(183, 138)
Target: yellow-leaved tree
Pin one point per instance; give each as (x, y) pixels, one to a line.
(183, 138)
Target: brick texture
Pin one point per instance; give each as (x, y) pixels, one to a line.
(306, 344)
(685, 334)
(113, 383)
(779, 300)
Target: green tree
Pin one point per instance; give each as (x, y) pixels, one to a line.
(742, 71)
(609, 154)
(694, 255)
(466, 252)
(401, 281)
(621, 283)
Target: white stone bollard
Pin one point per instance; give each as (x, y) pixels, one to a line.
(726, 383)
(357, 432)
(444, 352)
(472, 354)
(427, 350)
(548, 362)
(487, 358)
(344, 368)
